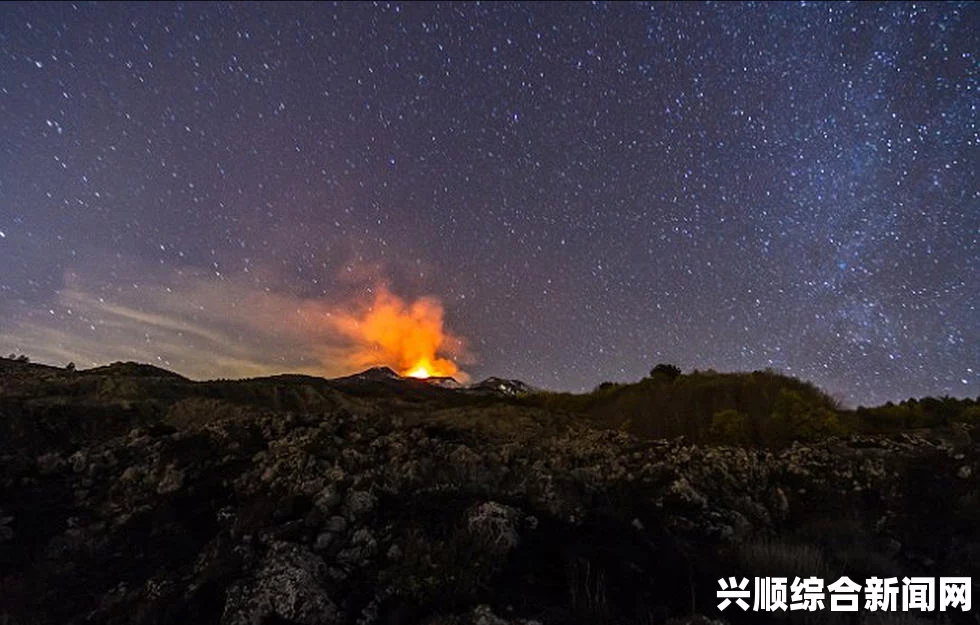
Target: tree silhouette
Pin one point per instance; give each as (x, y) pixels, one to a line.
(663, 370)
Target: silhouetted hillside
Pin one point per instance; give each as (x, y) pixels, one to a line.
(761, 408)
(662, 406)
(133, 369)
(131, 496)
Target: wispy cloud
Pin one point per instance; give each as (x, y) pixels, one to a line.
(205, 326)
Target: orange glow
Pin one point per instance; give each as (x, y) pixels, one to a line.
(421, 371)
(408, 337)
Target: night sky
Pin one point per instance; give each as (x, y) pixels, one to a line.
(584, 190)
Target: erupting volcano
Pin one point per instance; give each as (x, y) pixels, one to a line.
(423, 370)
(408, 337)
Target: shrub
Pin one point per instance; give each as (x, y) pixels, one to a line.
(970, 416)
(794, 418)
(730, 427)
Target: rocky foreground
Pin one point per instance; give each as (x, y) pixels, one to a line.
(130, 495)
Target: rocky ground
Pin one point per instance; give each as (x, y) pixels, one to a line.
(129, 495)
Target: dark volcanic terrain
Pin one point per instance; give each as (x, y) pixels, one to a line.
(129, 494)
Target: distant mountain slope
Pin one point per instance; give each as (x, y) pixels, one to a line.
(132, 369)
(502, 386)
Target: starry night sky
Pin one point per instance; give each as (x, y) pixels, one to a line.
(588, 189)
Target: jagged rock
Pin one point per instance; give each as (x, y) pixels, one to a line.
(288, 586)
(78, 461)
(335, 524)
(172, 480)
(323, 541)
(358, 503)
(494, 525)
(362, 547)
(483, 615)
(327, 499)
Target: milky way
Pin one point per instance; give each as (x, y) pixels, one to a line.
(588, 189)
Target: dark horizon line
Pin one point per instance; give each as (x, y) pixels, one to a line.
(843, 405)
